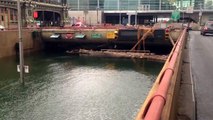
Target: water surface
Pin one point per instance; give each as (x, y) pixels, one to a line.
(62, 87)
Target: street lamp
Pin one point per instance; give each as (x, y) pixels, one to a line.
(200, 14)
(97, 15)
(98, 6)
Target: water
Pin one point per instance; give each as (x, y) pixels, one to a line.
(62, 87)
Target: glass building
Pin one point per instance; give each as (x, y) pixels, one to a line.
(51, 1)
(136, 11)
(138, 4)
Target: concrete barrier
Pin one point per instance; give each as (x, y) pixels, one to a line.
(161, 100)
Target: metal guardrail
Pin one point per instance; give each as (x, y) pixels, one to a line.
(153, 107)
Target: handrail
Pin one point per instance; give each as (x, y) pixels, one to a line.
(155, 105)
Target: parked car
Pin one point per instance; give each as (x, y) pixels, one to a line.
(207, 28)
(2, 27)
(79, 24)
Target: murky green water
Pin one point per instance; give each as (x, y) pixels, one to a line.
(61, 87)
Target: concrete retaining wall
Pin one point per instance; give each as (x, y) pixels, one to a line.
(170, 108)
(8, 39)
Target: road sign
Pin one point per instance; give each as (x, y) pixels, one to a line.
(26, 69)
(175, 15)
(96, 35)
(131, 13)
(110, 35)
(189, 9)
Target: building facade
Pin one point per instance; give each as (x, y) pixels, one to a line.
(138, 4)
(9, 17)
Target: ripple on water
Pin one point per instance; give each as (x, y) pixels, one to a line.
(77, 88)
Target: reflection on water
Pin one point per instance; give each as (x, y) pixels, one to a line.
(61, 87)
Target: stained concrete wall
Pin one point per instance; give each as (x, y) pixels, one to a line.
(8, 39)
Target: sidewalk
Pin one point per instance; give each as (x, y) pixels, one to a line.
(186, 103)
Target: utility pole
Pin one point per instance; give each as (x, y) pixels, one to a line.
(21, 56)
(136, 17)
(98, 6)
(119, 9)
(200, 14)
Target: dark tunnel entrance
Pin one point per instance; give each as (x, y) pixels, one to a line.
(48, 18)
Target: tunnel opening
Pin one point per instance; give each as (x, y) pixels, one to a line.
(47, 18)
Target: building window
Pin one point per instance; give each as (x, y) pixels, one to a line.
(2, 18)
(29, 12)
(11, 17)
(11, 14)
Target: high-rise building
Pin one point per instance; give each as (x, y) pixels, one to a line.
(85, 4)
(135, 11)
(138, 4)
(8, 14)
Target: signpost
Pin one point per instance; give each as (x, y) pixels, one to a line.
(21, 56)
(175, 15)
(26, 69)
(189, 9)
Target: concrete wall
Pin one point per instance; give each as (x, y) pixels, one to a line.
(8, 39)
(89, 17)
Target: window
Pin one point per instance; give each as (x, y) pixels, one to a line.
(2, 18)
(11, 14)
(29, 12)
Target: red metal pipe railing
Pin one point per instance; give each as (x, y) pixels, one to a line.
(155, 107)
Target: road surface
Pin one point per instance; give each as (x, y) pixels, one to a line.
(201, 57)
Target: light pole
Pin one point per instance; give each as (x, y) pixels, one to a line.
(136, 17)
(200, 14)
(21, 56)
(119, 9)
(97, 10)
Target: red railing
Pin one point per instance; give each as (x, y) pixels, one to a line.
(154, 107)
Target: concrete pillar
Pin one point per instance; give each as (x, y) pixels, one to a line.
(120, 17)
(129, 19)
